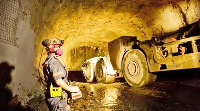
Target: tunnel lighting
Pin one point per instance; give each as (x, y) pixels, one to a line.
(173, 16)
(168, 19)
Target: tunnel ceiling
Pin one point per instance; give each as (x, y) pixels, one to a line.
(93, 23)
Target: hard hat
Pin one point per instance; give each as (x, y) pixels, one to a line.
(54, 41)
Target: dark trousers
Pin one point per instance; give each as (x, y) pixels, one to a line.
(58, 103)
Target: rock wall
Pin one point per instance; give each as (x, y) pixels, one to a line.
(17, 40)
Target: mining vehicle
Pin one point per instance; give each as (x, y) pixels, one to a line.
(138, 61)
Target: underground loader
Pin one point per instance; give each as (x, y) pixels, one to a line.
(137, 61)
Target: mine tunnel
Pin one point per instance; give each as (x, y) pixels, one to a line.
(86, 26)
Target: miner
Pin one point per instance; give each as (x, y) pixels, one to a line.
(56, 76)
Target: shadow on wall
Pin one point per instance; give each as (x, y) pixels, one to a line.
(7, 101)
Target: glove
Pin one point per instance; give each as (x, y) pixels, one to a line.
(75, 92)
(74, 89)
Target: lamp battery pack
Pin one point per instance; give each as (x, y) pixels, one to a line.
(55, 91)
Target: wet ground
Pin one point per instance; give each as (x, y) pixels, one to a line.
(167, 93)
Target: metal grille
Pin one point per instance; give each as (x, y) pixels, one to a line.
(9, 11)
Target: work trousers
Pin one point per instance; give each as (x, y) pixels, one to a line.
(58, 104)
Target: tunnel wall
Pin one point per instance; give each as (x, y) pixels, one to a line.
(94, 23)
(16, 52)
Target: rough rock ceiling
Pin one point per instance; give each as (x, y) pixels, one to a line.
(88, 25)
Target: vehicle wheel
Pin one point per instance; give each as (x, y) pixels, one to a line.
(101, 73)
(89, 72)
(135, 70)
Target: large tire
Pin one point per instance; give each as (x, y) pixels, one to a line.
(101, 73)
(135, 70)
(89, 72)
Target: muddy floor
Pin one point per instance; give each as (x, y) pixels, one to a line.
(167, 93)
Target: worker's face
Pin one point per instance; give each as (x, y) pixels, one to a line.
(182, 49)
(52, 47)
